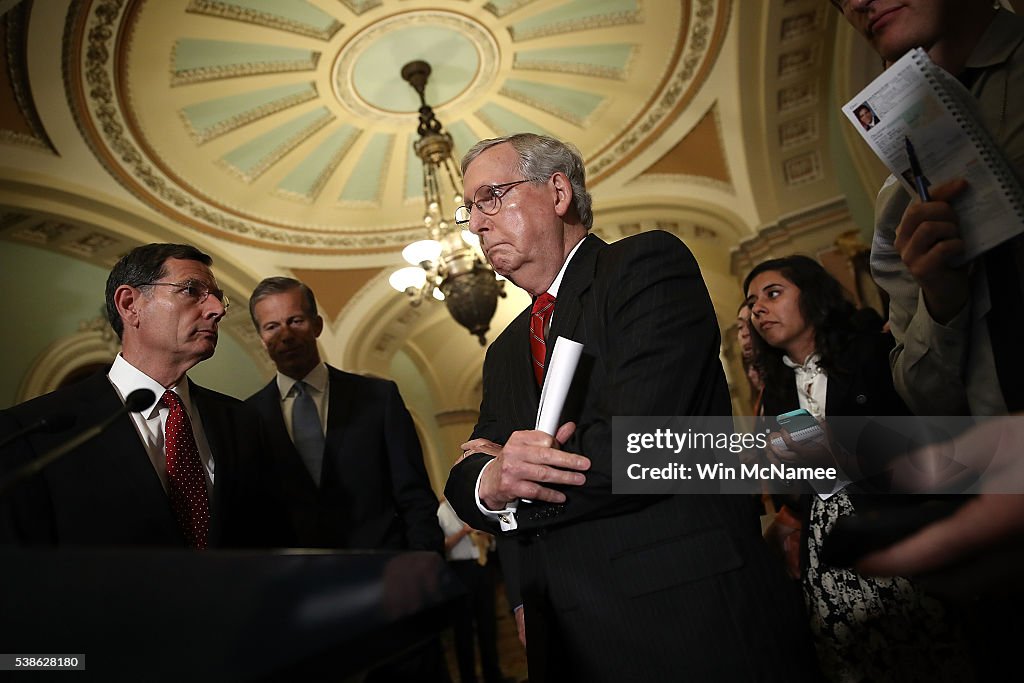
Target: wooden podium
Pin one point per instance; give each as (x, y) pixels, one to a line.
(227, 615)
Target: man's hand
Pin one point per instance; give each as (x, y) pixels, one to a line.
(525, 465)
(822, 450)
(928, 239)
(980, 545)
(978, 525)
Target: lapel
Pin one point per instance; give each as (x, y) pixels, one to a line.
(268, 404)
(293, 473)
(216, 429)
(569, 305)
(524, 394)
(338, 412)
(212, 420)
(118, 453)
(96, 402)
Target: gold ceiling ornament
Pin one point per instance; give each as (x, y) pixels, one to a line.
(448, 265)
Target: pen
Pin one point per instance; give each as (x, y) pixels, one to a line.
(915, 168)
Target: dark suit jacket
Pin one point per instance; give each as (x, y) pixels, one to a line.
(107, 493)
(667, 580)
(861, 388)
(374, 492)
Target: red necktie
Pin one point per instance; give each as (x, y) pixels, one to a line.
(185, 475)
(543, 307)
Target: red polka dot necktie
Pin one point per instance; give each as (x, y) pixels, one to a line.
(185, 475)
(543, 307)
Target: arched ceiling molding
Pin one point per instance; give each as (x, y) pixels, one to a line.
(97, 230)
(371, 323)
(93, 344)
(19, 120)
(88, 230)
(689, 219)
(785, 105)
(806, 232)
(856, 65)
(378, 322)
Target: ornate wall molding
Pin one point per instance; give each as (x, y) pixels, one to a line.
(94, 343)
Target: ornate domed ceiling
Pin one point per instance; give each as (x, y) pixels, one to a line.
(277, 136)
(285, 124)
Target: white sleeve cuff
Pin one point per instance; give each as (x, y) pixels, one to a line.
(506, 518)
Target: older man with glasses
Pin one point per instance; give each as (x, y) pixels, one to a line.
(615, 587)
(184, 467)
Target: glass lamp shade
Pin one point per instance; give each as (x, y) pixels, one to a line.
(422, 251)
(404, 278)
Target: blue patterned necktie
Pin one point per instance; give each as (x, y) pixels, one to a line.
(307, 432)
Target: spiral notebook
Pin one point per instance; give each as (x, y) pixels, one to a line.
(915, 99)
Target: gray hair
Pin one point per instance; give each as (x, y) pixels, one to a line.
(540, 157)
(142, 265)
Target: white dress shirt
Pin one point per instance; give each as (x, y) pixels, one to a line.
(811, 391)
(149, 423)
(507, 518)
(319, 384)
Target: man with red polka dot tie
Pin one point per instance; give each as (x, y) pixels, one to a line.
(187, 470)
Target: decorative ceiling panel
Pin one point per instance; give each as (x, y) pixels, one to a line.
(19, 119)
(197, 60)
(285, 124)
(603, 61)
(299, 17)
(575, 16)
(574, 106)
(210, 118)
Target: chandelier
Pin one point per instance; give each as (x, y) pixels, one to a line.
(447, 266)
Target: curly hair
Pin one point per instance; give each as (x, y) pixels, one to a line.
(823, 307)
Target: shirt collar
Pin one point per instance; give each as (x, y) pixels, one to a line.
(999, 41)
(126, 378)
(808, 365)
(553, 289)
(317, 378)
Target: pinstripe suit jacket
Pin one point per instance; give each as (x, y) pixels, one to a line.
(618, 587)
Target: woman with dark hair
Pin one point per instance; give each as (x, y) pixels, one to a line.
(812, 356)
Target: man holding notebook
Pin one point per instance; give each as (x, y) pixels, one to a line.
(957, 327)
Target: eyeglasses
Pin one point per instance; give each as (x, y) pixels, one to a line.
(197, 290)
(487, 199)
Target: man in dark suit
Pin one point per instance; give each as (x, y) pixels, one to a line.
(615, 587)
(346, 454)
(186, 470)
(365, 485)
